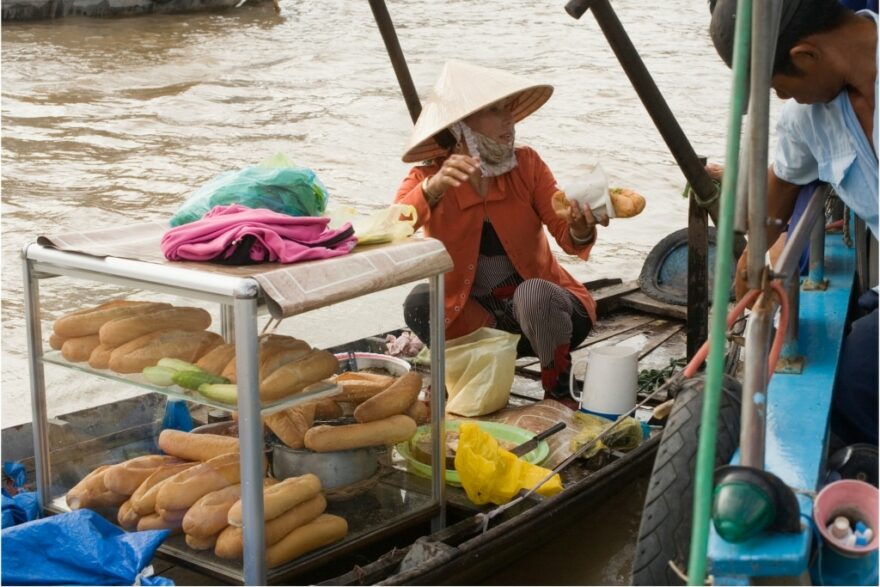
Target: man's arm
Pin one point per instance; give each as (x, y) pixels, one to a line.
(781, 197)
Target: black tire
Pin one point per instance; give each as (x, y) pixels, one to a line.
(665, 529)
(671, 245)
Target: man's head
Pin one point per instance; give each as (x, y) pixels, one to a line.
(802, 66)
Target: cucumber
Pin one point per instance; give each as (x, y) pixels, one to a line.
(178, 365)
(222, 392)
(160, 376)
(193, 379)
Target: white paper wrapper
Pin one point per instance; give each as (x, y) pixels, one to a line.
(590, 188)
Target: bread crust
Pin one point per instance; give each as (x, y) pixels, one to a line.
(147, 350)
(395, 400)
(121, 330)
(388, 431)
(190, 446)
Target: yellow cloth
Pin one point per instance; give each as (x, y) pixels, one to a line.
(489, 473)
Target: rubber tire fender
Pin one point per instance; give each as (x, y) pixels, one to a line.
(649, 276)
(665, 529)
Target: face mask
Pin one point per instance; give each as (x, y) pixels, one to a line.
(495, 158)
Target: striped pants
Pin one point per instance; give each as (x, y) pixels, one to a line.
(546, 315)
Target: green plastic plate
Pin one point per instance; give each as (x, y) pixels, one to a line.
(503, 432)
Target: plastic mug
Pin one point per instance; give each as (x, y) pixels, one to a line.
(611, 378)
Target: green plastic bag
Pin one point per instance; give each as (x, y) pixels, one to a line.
(276, 184)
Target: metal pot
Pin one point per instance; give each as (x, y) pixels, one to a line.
(334, 469)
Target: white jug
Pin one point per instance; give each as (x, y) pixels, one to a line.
(611, 379)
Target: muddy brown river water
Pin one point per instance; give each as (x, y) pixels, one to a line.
(106, 122)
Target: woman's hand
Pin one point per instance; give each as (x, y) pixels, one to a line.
(582, 222)
(456, 170)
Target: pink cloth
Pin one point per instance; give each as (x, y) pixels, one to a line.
(277, 237)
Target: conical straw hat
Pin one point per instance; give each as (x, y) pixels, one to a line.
(461, 90)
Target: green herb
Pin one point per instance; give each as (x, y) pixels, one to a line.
(651, 379)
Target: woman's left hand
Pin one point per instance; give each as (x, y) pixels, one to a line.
(582, 222)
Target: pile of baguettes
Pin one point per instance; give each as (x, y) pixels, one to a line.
(386, 409)
(195, 488)
(127, 336)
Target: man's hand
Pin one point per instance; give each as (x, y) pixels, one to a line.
(582, 222)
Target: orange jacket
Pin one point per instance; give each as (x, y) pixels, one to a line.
(518, 204)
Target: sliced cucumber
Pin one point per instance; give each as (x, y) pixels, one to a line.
(178, 365)
(194, 379)
(222, 392)
(161, 376)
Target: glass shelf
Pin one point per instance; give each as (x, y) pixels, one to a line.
(321, 389)
(371, 515)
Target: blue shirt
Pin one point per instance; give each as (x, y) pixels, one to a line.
(826, 142)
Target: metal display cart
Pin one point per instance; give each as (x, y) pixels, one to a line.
(240, 298)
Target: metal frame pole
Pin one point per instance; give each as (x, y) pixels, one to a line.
(39, 410)
(250, 432)
(754, 406)
(816, 277)
(438, 399)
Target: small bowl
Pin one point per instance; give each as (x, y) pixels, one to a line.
(393, 365)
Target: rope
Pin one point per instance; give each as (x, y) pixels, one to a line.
(688, 190)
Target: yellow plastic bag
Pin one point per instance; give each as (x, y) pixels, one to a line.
(624, 437)
(390, 224)
(490, 474)
(479, 371)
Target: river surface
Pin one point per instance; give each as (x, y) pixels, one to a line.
(108, 122)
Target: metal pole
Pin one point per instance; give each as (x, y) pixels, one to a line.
(651, 98)
(754, 405)
(759, 121)
(227, 322)
(790, 360)
(39, 412)
(386, 28)
(817, 253)
(438, 399)
(741, 212)
(788, 261)
(250, 433)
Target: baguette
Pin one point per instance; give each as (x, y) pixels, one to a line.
(359, 387)
(272, 360)
(79, 349)
(56, 342)
(85, 322)
(419, 411)
(208, 516)
(91, 492)
(293, 377)
(626, 202)
(281, 497)
(121, 330)
(143, 501)
(127, 517)
(325, 529)
(217, 358)
(156, 522)
(270, 344)
(387, 431)
(147, 350)
(172, 516)
(196, 447)
(230, 541)
(395, 400)
(290, 425)
(100, 357)
(183, 490)
(327, 409)
(201, 543)
(127, 476)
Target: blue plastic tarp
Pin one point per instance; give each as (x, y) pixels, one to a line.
(20, 508)
(78, 548)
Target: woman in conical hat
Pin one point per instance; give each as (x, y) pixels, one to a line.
(489, 202)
